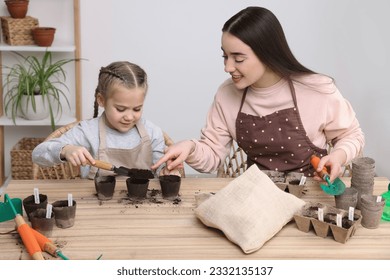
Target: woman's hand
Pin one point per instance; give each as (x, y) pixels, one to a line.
(175, 155)
(334, 163)
(77, 155)
(165, 171)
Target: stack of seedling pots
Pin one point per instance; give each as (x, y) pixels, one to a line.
(363, 175)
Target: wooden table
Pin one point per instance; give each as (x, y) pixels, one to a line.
(121, 229)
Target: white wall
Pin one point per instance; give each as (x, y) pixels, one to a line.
(178, 43)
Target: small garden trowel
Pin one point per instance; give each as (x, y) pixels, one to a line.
(121, 170)
(335, 188)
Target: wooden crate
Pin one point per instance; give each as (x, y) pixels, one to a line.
(21, 161)
(17, 31)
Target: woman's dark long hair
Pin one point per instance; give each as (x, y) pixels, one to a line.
(259, 28)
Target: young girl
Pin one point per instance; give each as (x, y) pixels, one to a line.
(119, 135)
(277, 110)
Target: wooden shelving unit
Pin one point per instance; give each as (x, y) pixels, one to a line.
(57, 47)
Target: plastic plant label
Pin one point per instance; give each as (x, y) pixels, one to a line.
(36, 196)
(351, 213)
(378, 198)
(70, 199)
(321, 214)
(338, 220)
(302, 181)
(49, 208)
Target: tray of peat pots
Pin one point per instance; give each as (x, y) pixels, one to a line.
(170, 186)
(291, 182)
(295, 183)
(328, 220)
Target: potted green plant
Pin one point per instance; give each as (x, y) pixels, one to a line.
(32, 82)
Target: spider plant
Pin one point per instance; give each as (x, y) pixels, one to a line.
(34, 78)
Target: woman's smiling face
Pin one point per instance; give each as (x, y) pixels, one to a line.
(243, 65)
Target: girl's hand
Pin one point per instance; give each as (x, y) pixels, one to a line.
(334, 163)
(77, 155)
(175, 155)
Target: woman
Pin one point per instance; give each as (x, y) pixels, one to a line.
(279, 112)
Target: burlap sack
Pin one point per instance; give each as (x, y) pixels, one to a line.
(250, 210)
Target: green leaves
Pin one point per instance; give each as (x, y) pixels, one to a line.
(33, 77)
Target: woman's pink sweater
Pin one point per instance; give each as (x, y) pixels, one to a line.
(325, 114)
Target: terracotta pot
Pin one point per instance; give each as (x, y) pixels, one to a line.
(43, 36)
(17, 8)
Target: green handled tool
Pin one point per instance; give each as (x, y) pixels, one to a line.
(336, 187)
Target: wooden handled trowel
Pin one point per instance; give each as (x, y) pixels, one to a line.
(121, 170)
(336, 187)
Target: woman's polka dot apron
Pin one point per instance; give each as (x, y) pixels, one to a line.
(277, 141)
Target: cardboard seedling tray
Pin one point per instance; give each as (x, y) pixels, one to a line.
(307, 220)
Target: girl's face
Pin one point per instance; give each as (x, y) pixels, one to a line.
(244, 66)
(123, 107)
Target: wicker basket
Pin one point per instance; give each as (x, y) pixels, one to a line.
(21, 161)
(17, 31)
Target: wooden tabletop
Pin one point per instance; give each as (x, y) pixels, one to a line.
(121, 229)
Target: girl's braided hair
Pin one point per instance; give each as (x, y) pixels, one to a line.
(122, 73)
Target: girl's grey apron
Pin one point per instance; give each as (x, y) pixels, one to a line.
(139, 157)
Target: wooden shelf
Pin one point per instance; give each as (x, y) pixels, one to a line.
(56, 47)
(63, 45)
(64, 120)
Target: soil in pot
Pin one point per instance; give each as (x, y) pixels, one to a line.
(42, 224)
(170, 186)
(17, 8)
(30, 205)
(137, 188)
(43, 36)
(105, 186)
(64, 214)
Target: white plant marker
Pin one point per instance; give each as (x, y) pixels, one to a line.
(338, 220)
(49, 208)
(321, 214)
(302, 181)
(70, 199)
(378, 198)
(351, 213)
(36, 196)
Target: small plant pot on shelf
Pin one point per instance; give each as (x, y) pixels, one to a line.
(43, 36)
(17, 8)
